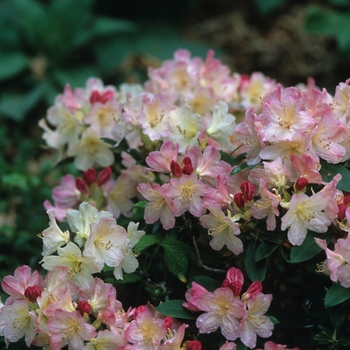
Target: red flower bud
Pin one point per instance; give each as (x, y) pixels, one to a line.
(254, 289)
(103, 176)
(301, 183)
(108, 95)
(248, 190)
(32, 292)
(84, 307)
(341, 212)
(89, 176)
(235, 286)
(238, 199)
(81, 185)
(194, 345)
(95, 96)
(168, 322)
(175, 168)
(188, 168)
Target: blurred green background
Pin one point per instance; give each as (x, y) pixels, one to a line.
(46, 44)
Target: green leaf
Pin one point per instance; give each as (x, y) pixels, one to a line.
(145, 242)
(267, 6)
(308, 249)
(174, 256)
(12, 64)
(256, 271)
(264, 249)
(174, 308)
(129, 278)
(273, 319)
(207, 282)
(107, 26)
(335, 295)
(16, 106)
(328, 171)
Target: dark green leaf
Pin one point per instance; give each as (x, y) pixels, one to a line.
(12, 64)
(273, 319)
(15, 106)
(145, 242)
(207, 282)
(174, 256)
(174, 308)
(308, 249)
(267, 6)
(107, 26)
(264, 249)
(129, 278)
(255, 271)
(328, 171)
(335, 295)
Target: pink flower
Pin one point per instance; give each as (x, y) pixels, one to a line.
(69, 328)
(16, 285)
(254, 321)
(221, 309)
(17, 321)
(273, 346)
(187, 192)
(193, 295)
(223, 229)
(146, 331)
(160, 206)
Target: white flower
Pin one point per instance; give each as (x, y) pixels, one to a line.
(185, 127)
(53, 237)
(90, 150)
(79, 220)
(222, 125)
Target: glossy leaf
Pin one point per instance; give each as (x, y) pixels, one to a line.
(145, 242)
(308, 249)
(264, 250)
(174, 308)
(207, 282)
(256, 271)
(335, 295)
(328, 171)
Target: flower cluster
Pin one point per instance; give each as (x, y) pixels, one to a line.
(209, 164)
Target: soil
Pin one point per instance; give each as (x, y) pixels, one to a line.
(276, 45)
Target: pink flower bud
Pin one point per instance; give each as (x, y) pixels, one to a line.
(341, 211)
(235, 286)
(188, 168)
(103, 176)
(238, 199)
(248, 190)
(32, 292)
(301, 183)
(84, 307)
(81, 185)
(168, 322)
(95, 96)
(175, 168)
(254, 289)
(108, 95)
(89, 176)
(194, 345)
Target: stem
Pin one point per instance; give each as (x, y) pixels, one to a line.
(200, 262)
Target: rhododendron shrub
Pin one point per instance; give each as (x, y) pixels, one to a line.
(208, 210)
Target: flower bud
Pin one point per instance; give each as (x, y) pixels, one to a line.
(103, 176)
(175, 168)
(194, 345)
(301, 183)
(94, 97)
(235, 286)
(252, 291)
(32, 292)
(81, 185)
(89, 176)
(168, 322)
(188, 168)
(238, 199)
(84, 307)
(248, 190)
(106, 96)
